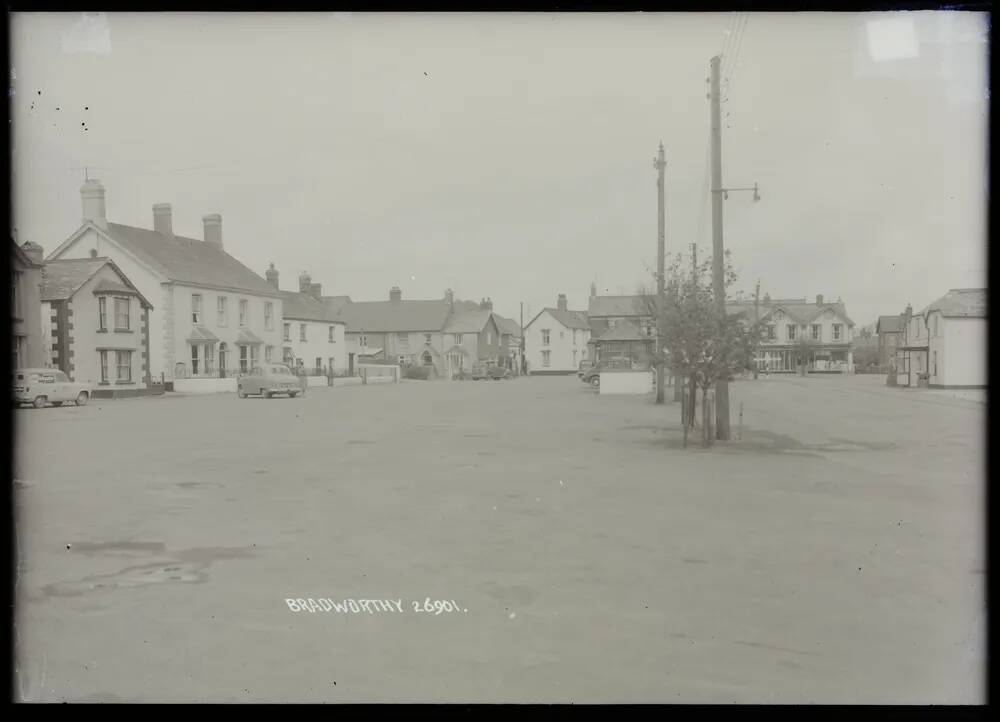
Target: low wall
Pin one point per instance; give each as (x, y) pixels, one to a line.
(112, 393)
(316, 381)
(347, 381)
(382, 380)
(614, 381)
(205, 386)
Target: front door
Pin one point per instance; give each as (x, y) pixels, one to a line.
(350, 364)
(222, 360)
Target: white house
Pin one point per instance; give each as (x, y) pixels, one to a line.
(555, 340)
(212, 316)
(312, 335)
(944, 346)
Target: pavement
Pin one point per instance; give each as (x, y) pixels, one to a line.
(833, 553)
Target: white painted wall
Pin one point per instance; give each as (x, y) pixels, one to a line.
(626, 382)
(317, 343)
(205, 386)
(561, 345)
(963, 361)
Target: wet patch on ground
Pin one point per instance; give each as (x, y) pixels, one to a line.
(757, 441)
(183, 566)
(199, 484)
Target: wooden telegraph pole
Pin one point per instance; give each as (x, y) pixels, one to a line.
(660, 163)
(756, 321)
(718, 252)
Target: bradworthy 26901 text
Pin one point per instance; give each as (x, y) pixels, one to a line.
(374, 606)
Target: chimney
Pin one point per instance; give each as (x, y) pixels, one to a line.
(271, 274)
(593, 289)
(767, 299)
(489, 304)
(561, 302)
(449, 296)
(395, 295)
(92, 194)
(316, 290)
(305, 283)
(33, 251)
(819, 299)
(213, 229)
(162, 219)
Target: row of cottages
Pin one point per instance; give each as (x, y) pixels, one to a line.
(556, 339)
(209, 316)
(313, 338)
(944, 346)
(444, 335)
(26, 266)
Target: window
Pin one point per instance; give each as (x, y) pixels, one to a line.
(403, 340)
(574, 357)
(363, 340)
(121, 314)
(123, 363)
(574, 337)
(244, 358)
(222, 311)
(104, 366)
(102, 313)
(319, 363)
(837, 331)
(489, 337)
(330, 335)
(546, 358)
(244, 311)
(195, 308)
(288, 332)
(209, 358)
(330, 365)
(935, 357)
(195, 369)
(253, 356)
(816, 332)
(545, 337)
(302, 332)
(791, 331)
(268, 315)
(771, 332)
(457, 338)
(268, 354)
(935, 331)
(427, 338)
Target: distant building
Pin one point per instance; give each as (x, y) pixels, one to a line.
(796, 331)
(555, 340)
(96, 325)
(25, 306)
(313, 338)
(510, 331)
(944, 345)
(605, 312)
(213, 316)
(474, 337)
(888, 329)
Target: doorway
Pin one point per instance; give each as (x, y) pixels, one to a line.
(222, 360)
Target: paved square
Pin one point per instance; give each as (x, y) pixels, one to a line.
(834, 554)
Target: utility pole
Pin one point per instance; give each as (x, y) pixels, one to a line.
(718, 252)
(694, 263)
(521, 361)
(660, 163)
(756, 322)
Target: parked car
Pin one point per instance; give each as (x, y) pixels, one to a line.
(592, 376)
(499, 372)
(268, 380)
(480, 371)
(40, 387)
(585, 366)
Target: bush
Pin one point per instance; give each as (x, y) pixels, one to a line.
(417, 372)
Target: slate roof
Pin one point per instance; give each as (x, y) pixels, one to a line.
(247, 336)
(624, 331)
(889, 324)
(394, 316)
(303, 307)
(799, 310)
(468, 321)
(617, 306)
(200, 333)
(23, 257)
(508, 326)
(335, 303)
(961, 303)
(63, 278)
(569, 319)
(106, 286)
(188, 260)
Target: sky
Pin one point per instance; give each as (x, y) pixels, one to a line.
(510, 156)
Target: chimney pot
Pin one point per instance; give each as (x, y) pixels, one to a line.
(316, 290)
(92, 195)
(271, 274)
(449, 296)
(305, 283)
(819, 299)
(561, 302)
(395, 295)
(33, 251)
(213, 229)
(163, 219)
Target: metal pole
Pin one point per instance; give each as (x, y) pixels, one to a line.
(718, 252)
(660, 163)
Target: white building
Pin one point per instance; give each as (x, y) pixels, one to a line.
(944, 346)
(555, 340)
(312, 336)
(212, 316)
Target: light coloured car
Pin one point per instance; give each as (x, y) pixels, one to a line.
(41, 387)
(268, 380)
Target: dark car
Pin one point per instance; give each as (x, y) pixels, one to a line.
(592, 376)
(499, 372)
(480, 372)
(585, 366)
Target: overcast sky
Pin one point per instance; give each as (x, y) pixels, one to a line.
(510, 156)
